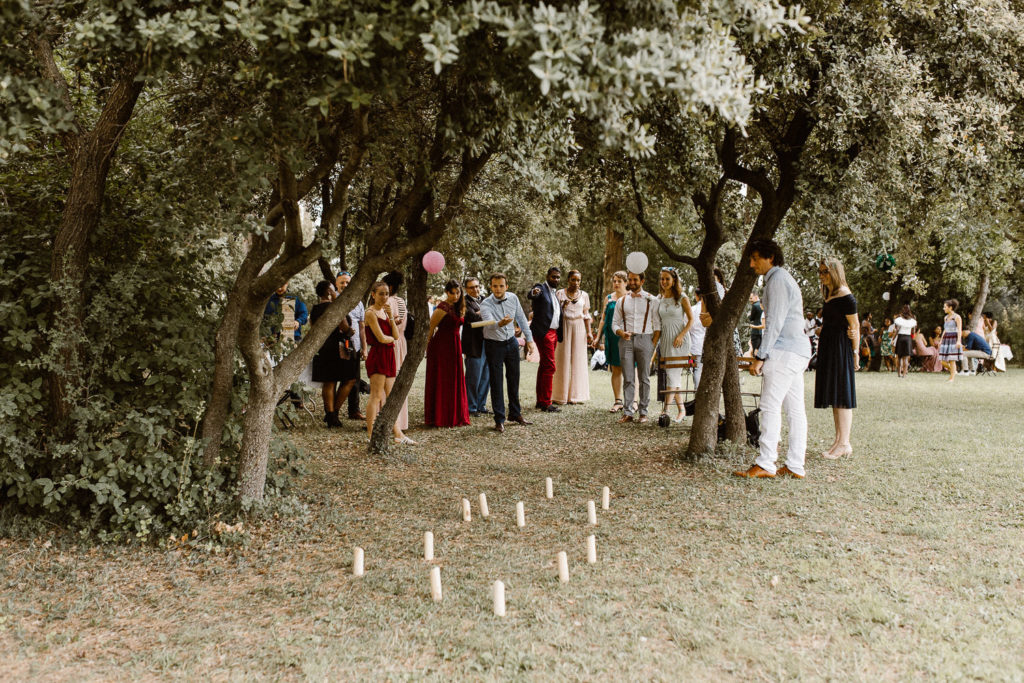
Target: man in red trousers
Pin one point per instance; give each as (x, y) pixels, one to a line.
(546, 327)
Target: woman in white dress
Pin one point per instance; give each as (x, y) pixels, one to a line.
(571, 383)
(676, 317)
(1002, 351)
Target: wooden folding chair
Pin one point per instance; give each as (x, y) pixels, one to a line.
(671, 363)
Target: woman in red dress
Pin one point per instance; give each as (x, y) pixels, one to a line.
(444, 402)
(380, 362)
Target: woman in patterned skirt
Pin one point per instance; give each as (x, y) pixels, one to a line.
(951, 348)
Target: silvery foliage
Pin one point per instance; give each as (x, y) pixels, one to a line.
(936, 106)
(585, 66)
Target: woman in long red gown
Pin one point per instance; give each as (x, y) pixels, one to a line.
(444, 402)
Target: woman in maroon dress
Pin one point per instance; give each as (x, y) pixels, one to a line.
(380, 362)
(444, 402)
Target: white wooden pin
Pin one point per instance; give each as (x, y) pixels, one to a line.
(606, 496)
(591, 549)
(563, 567)
(357, 561)
(428, 545)
(549, 488)
(591, 512)
(484, 510)
(499, 599)
(520, 514)
(466, 514)
(435, 583)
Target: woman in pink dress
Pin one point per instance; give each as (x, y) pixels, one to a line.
(444, 397)
(400, 315)
(572, 369)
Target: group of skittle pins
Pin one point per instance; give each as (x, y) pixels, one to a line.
(499, 586)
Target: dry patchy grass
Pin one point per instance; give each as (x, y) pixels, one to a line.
(903, 561)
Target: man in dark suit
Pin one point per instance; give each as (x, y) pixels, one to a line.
(546, 327)
(478, 379)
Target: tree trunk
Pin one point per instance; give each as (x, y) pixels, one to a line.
(380, 440)
(342, 238)
(718, 359)
(980, 299)
(259, 426)
(217, 407)
(91, 158)
(613, 259)
(735, 415)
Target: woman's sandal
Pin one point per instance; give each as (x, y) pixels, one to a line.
(406, 441)
(616, 407)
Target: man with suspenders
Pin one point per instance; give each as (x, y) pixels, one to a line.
(636, 324)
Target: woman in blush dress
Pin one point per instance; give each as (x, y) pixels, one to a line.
(571, 383)
(380, 361)
(928, 352)
(676, 317)
(444, 398)
(400, 315)
(609, 343)
(834, 384)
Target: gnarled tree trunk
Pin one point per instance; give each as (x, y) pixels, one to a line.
(91, 153)
(380, 440)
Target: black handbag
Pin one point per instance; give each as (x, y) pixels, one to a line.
(410, 326)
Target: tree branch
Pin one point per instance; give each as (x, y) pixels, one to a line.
(44, 53)
(641, 218)
(757, 179)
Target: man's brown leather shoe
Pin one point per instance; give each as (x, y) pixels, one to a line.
(755, 472)
(625, 418)
(499, 427)
(521, 420)
(783, 471)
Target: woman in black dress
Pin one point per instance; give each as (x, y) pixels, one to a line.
(329, 366)
(837, 354)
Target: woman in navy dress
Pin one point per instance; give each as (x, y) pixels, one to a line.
(837, 354)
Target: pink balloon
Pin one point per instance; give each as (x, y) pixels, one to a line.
(433, 262)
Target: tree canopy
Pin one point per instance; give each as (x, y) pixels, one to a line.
(156, 160)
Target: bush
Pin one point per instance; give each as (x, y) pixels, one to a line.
(127, 464)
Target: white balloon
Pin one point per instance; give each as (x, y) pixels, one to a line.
(636, 262)
(885, 296)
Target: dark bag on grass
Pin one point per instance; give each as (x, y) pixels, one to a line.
(754, 427)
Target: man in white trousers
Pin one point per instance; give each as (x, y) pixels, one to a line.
(782, 356)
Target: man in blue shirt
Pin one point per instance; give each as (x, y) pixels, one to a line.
(782, 356)
(975, 347)
(283, 307)
(502, 309)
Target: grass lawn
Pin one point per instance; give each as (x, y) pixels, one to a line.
(903, 561)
